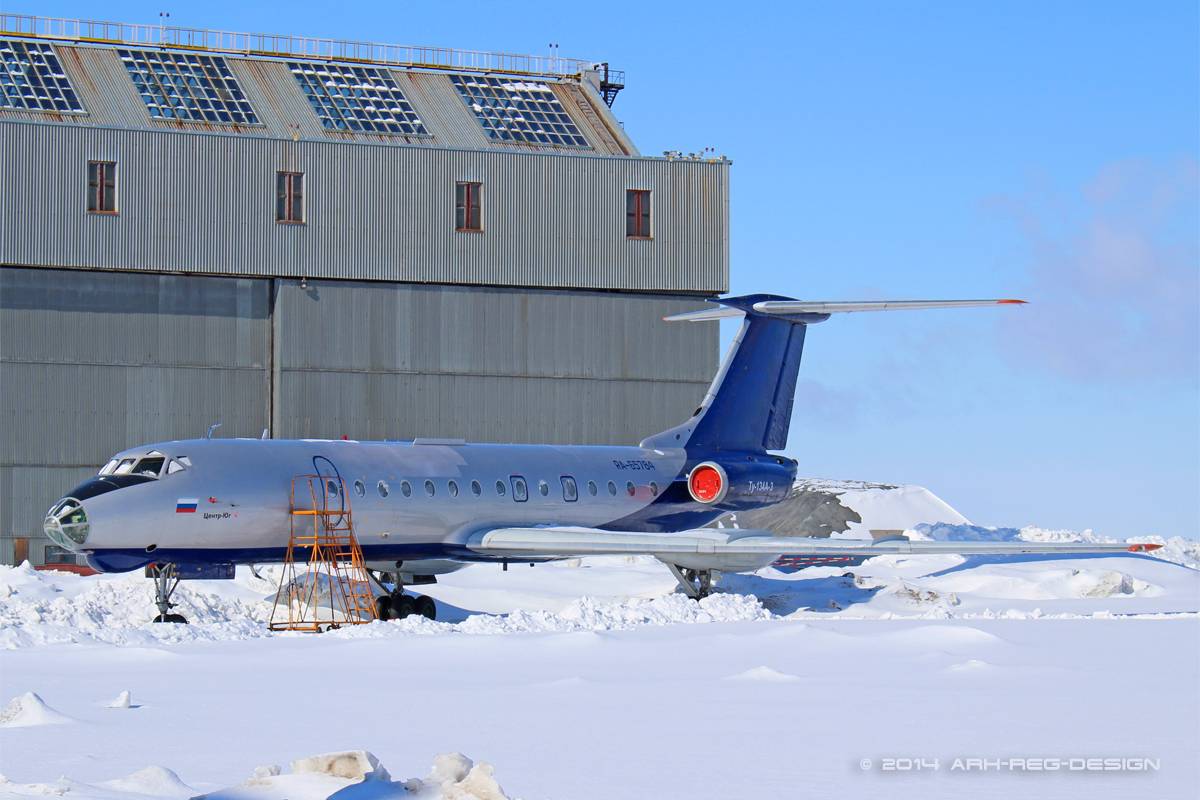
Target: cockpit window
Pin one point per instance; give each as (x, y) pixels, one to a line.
(124, 467)
(108, 468)
(174, 465)
(149, 466)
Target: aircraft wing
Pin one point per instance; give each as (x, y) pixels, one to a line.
(750, 545)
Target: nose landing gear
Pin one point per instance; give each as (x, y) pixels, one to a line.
(166, 581)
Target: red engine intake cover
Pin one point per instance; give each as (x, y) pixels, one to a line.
(707, 483)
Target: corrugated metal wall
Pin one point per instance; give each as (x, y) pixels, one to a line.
(196, 202)
(396, 361)
(94, 362)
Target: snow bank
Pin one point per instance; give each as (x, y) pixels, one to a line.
(895, 507)
(46, 608)
(29, 709)
(584, 614)
(42, 608)
(355, 773)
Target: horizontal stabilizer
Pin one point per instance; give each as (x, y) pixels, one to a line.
(783, 308)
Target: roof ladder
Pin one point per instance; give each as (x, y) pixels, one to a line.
(336, 589)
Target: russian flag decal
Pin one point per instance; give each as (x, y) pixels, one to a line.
(186, 505)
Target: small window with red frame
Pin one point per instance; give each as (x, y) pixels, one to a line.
(637, 213)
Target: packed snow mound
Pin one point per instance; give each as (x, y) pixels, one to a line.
(764, 675)
(356, 764)
(123, 700)
(151, 781)
(358, 774)
(29, 709)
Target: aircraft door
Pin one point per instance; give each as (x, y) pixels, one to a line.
(333, 494)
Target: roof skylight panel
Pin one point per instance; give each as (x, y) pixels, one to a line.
(360, 99)
(188, 87)
(31, 78)
(518, 111)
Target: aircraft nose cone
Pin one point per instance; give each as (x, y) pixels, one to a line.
(66, 524)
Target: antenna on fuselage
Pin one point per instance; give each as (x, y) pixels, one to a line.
(212, 428)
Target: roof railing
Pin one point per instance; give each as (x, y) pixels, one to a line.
(282, 46)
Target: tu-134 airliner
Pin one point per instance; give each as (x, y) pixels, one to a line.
(428, 507)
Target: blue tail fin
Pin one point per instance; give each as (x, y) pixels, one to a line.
(748, 408)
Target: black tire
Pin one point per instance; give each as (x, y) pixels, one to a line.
(177, 619)
(425, 606)
(383, 608)
(402, 606)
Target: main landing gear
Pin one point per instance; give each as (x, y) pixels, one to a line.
(398, 605)
(166, 581)
(697, 583)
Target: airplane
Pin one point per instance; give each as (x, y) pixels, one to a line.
(427, 507)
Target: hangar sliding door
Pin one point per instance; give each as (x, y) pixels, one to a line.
(95, 362)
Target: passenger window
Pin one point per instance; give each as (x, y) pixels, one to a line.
(570, 490)
(592, 488)
(612, 488)
(382, 488)
(500, 488)
(653, 489)
(520, 490)
(332, 487)
(406, 488)
(543, 488)
(429, 490)
(629, 488)
(360, 488)
(476, 489)
(453, 487)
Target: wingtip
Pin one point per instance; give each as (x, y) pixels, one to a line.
(1144, 548)
(1011, 302)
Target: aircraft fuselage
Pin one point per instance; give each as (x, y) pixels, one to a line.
(411, 501)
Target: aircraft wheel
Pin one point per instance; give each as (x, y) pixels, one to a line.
(402, 606)
(425, 606)
(175, 618)
(383, 608)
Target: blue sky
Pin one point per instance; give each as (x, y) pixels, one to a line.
(913, 150)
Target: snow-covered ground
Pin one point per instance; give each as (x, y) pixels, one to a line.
(594, 679)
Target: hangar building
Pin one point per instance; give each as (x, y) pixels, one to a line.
(319, 238)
